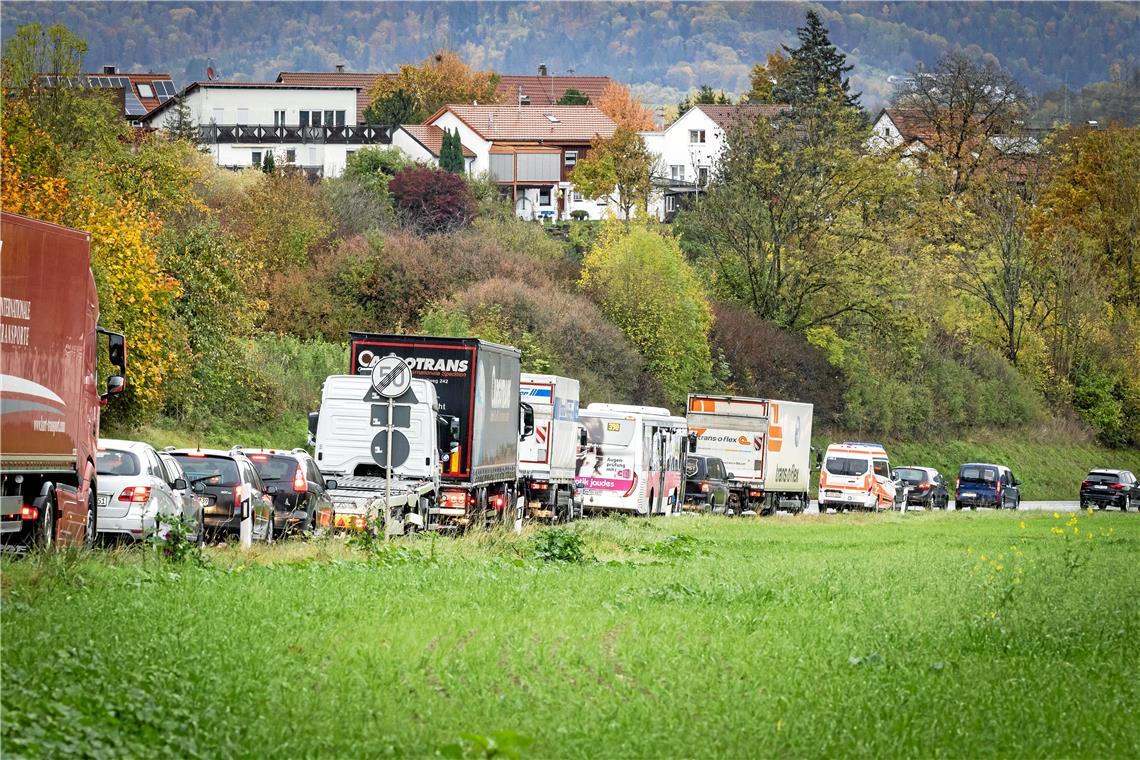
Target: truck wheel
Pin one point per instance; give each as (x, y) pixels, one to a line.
(89, 530)
(43, 535)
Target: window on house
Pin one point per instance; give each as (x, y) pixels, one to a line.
(544, 196)
(571, 158)
(670, 203)
(218, 116)
(278, 118)
(340, 118)
(552, 118)
(256, 159)
(703, 176)
(696, 135)
(677, 172)
(304, 118)
(312, 155)
(330, 118)
(577, 197)
(243, 116)
(291, 155)
(315, 118)
(145, 90)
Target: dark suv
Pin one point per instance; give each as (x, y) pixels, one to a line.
(924, 487)
(987, 485)
(301, 502)
(707, 483)
(227, 486)
(1115, 488)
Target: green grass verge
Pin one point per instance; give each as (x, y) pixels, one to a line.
(965, 635)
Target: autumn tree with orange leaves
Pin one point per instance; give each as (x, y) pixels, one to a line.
(418, 91)
(621, 105)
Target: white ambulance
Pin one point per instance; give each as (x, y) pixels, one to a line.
(548, 456)
(856, 476)
(632, 459)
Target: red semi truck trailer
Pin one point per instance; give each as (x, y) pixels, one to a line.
(49, 392)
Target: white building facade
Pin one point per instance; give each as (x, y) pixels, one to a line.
(311, 127)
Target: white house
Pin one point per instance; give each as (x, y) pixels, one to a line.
(314, 127)
(423, 143)
(687, 151)
(530, 152)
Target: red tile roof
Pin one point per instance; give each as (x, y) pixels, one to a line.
(431, 137)
(547, 90)
(533, 123)
(363, 83)
(727, 116)
(912, 125)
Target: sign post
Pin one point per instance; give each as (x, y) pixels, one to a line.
(391, 378)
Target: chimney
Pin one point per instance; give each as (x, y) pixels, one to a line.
(110, 70)
(542, 69)
(340, 68)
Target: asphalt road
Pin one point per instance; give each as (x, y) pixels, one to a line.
(1026, 506)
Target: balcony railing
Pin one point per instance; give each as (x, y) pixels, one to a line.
(363, 134)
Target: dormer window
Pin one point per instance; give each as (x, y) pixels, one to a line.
(552, 118)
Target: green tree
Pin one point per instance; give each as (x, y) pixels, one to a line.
(269, 163)
(438, 80)
(374, 168)
(396, 107)
(451, 152)
(573, 97)
(642, 283)
(181, 125)
(619, 163)
(768, 77)
(706, 95)
(817, 69)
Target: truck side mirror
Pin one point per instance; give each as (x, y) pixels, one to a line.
(330, 485)
(818, 459)
(583, 438)
(314, 417)
(692, 441)
(116, 384)
(527, 420)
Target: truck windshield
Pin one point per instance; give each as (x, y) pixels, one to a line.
(116, 462)
(209, 471)
(846, 466)
(978, 474)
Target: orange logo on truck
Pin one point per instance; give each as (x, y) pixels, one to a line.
(775, 431)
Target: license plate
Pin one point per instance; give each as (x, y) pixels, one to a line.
(103, 501)
(1101, 488)
(966, 495)
(203, 501)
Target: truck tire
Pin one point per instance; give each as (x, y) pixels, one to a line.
(43, 534)
(89, 531)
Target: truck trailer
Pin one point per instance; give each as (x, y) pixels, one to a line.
(49, 394)
(476, 386)
(765, 444)
(547, 457)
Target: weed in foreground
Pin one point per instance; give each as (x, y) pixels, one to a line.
(558, 545)
(502, 744)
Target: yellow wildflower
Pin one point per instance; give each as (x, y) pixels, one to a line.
(1023, 524)
(1056, 515)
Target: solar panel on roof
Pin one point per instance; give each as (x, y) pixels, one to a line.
(165, 87)
(133, 104)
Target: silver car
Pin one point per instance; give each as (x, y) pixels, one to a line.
(133, 489)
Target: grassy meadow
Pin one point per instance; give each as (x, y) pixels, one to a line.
(957, 635)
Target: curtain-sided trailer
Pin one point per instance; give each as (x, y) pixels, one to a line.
(547, 457)
(765, 444)
(632, 460)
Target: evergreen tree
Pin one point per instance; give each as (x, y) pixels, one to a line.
(451, 152)
(818, 69)
(269, 163)
(705, 96)
(573, 97)
(181, 124)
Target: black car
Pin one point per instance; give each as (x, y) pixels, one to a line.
(301, 502)
(707, 483)
(924, 487)
(227, 486)
(987, 485)
(1110, 488)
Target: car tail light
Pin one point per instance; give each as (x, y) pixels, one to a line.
(454, 499)
(958, 484)
(1117, 486)
(632, 486)
(923, 486)
(300, 485)
(497, 501)
(135, 494)
(259, 457)
(999, 488)
(237, 496)
(704, 487)
(539, 486)
(29, 513)
(756, 493)
(196, 454)
(1086, 483)
(360, 523)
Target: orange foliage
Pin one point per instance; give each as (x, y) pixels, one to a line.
(619, 103)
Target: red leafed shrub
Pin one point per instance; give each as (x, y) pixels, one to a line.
(432, 200)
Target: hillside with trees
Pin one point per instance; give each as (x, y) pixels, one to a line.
(965, 291)
(666, 50)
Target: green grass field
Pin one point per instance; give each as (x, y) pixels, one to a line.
(957, 635)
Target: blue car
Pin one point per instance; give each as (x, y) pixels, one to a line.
(987, 485)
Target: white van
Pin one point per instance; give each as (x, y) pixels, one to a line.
(632, 461)
(856, 476)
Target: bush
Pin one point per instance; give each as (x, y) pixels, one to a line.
(432, 200)
(374, 168)
(558, 545)
(579, 215)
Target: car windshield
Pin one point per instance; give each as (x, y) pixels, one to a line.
(1103, 477)
(116, 462)
(911, 474)
(271, 467)
(978, 473)
(209, 471)
(846, 466)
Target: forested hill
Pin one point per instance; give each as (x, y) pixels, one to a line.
(665, 48)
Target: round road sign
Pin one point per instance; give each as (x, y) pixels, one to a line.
(391, 376)
(400, 448)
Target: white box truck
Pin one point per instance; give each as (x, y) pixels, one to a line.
(764, 443)
(547, 457)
